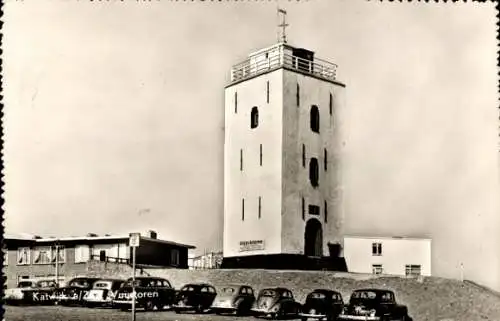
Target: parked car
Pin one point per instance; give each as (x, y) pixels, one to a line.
(74, 292)
(234, 298)
(322, 304)
(276, 303)
(374, 305)
(31, 292)
(103, 292)
(151, 293)
(197, 297)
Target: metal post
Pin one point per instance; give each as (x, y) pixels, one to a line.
(133, 283)
(57, 264)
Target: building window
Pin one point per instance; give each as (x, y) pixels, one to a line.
(260, 155)
(61, 254)
(267, 92)
(174, 257)
(325, 159)
(23, 256)
(297, 95)
(82, 253)
(241, 159)
(303, 155)
(242, 209)
(260, 206)
(413, 270)
(303, 209)
(314, 172)
(314, 209)
(254, 117)
(326, 211)
(42, 255)
(314, 118)
(235, 102)
(331, 104)
(377, 269)
(377, 249)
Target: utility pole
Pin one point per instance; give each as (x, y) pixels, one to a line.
(134, 243)
(57, 263)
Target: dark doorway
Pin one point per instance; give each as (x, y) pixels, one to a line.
(313, 238)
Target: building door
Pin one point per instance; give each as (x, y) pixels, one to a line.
(313, 238)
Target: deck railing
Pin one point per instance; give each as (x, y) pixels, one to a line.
(316, 67)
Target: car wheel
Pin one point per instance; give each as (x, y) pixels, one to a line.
(177, 311)
(149, 306)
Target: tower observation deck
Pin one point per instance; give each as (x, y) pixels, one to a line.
(282, 55)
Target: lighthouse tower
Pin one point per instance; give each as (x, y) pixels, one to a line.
(282, 159)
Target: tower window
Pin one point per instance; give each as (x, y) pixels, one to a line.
(254, 117)
(314, 209)
(260, 206)
(242, 209)
(267, 92)
(331, 104)
(235, 102)
(314, 172)
(241, 159)
(326, 211)
(325, 159)
(303, 209)
(260, 156)
(377, 249)
(314, 118)
(303, 155)
(297, 95)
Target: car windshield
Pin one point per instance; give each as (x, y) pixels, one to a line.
(45, 284)
(367, 295)
(228, 290)
(317, 295)
(268, 293)
(137, 282)
(101, 285)
(81, 283)
(188, 288)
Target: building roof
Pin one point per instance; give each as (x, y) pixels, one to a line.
(394, 237)
(89, 239)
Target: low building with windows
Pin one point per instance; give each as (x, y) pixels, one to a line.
(209, 260)
(388, 255)
(37, 257)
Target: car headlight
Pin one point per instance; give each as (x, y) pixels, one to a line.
(372, 312)
(275, 308)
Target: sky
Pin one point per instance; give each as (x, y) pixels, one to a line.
(114, 114)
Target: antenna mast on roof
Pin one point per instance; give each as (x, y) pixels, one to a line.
(282, 25)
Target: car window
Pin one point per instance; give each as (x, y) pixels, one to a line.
(211, 290)
(364, 295)
(167, 284)
(249, 290)
(270, 293)
(243, 290)
(317, 295)
(387, 297)
(25, 284)
(100, 285)
(187, 288)
(204, 289)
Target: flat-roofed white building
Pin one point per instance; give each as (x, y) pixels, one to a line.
(388, 255)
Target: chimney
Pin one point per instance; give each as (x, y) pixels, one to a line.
(152, 234)
(91, 235)
(36, 237)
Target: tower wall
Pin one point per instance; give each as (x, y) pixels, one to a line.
(255, 180)
(296, 182)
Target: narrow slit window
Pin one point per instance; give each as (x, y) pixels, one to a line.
(260, 155)
(267, 92)
(254, 117)
(314, 172)
(242, 209)
(303, 209)
(326, 211)
(235, 102)
(325, 159)
(297, 95)
(314, 118)
(331, 104)
(241, 159)
(303, 155)
(260, 206)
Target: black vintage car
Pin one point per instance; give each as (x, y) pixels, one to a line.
(197, 297)
(75, 290)
(234, 298)
(322, 304)
(41, 292)
(151, 293)
(276, 303)
(374, 305)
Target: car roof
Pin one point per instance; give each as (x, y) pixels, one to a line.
(378, 291)
(197, 284)
(325, 291)
(110, 280)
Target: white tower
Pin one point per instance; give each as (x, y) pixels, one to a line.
(282, 154)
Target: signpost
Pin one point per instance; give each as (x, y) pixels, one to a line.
(133, 243)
